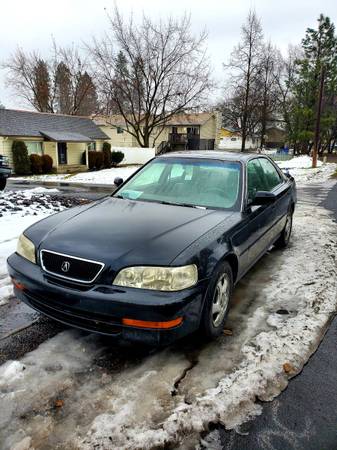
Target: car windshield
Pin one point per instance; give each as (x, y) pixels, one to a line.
(187, 182)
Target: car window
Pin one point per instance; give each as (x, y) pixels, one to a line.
(149, 177)
(271, 175)
(255, 178)
(195, 182)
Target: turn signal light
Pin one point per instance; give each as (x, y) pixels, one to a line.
(18, 285)
(157, 325)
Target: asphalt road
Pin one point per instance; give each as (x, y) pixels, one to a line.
(304, 416)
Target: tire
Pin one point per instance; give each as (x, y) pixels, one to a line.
(212, 322)
(283, 240)
(2, 184)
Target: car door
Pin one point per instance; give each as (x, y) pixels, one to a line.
(248, 241)
(276, 183)
(261, 217)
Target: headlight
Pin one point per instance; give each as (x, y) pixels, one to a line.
(158, 278)
(26, 248)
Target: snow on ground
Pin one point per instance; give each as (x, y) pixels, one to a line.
(105, 176)
(300, 168)
(19, 210)
(58, 397)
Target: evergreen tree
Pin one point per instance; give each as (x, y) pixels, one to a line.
(319, 54)
(41, 86)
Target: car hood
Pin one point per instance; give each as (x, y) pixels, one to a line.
(121, 232)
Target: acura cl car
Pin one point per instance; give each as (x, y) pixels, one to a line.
(159, 258)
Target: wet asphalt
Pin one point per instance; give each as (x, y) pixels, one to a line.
(304, 416)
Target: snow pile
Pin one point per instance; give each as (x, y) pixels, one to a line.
(105, 176)
(300, 168)
(279, 314)
(299, 162)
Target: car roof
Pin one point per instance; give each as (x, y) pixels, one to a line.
(209, 154)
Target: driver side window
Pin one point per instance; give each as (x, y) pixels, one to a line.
(255, 178)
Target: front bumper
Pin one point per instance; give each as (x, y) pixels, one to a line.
(5, 172)
(101, 308)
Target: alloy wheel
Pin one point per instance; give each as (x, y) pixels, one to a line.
(220, 299)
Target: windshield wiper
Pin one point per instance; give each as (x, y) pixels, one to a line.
(188, 205)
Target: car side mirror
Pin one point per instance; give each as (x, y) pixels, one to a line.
(118, 181)
(263, 198)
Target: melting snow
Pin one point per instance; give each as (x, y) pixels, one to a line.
(300, 168)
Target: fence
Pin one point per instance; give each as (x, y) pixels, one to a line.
(135, 155)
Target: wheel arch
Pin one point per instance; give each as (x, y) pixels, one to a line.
(233, 261)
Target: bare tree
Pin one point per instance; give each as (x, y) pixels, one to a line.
(28, 76)
(285, 76)
(245, 67)
(60, 83)
(75, 89)
(267, 88)
(149, 71)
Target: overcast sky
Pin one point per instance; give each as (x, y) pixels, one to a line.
(30, 24)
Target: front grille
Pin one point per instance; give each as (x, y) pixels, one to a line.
(70, 267)
(87, 321)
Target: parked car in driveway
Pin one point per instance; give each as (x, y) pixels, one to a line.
(159, 258)
(5, 172)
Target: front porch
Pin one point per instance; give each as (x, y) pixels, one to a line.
(69, 151)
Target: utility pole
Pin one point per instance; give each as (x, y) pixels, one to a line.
(318, 118)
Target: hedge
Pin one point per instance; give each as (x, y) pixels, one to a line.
(116, 157)
(47, 163)
(35, 164)
(21, 160)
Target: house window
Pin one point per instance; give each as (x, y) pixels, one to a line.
(120, 130)
(174, 130)
(34, 147)
(193, 130)
(91, 146)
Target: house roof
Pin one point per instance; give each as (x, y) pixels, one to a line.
(36, 124)
(180, 119)
(66, 136)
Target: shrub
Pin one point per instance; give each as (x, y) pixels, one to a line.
(20, 158)
(99, 160)
(117, 157)
(35, 164)
(107, 154)
(96, 160)
(47, 163)
(92, 159)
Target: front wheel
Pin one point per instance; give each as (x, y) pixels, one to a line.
(217, 301)
(2, 184)
(284, 239)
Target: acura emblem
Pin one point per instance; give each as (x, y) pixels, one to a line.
(65, 266)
